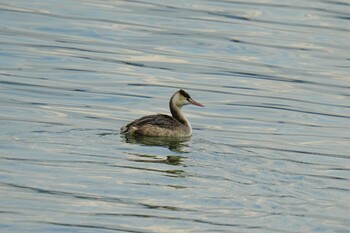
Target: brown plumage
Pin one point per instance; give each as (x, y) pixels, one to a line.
(164, 125)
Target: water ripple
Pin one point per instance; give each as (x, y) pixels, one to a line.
(269, 153)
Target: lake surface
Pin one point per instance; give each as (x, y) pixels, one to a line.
(269, 152)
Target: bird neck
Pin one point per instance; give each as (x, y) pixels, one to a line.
(177, 113)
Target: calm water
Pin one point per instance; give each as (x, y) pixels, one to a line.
(269, 153)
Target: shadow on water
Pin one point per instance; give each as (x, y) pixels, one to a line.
(174, 144)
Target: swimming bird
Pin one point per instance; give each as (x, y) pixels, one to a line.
(162, 125)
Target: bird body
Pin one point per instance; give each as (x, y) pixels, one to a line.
(162, 125)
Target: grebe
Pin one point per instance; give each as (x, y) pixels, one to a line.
(164, 125)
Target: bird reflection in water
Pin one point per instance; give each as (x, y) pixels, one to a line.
(173, 144)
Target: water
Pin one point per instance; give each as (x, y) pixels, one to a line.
(269, 152)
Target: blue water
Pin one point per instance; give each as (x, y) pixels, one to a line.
(269, 152)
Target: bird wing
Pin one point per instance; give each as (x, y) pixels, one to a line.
(160, 120)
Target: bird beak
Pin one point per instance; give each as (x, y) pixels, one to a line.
(195, 103)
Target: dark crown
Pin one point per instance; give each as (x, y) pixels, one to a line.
(185, 94)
